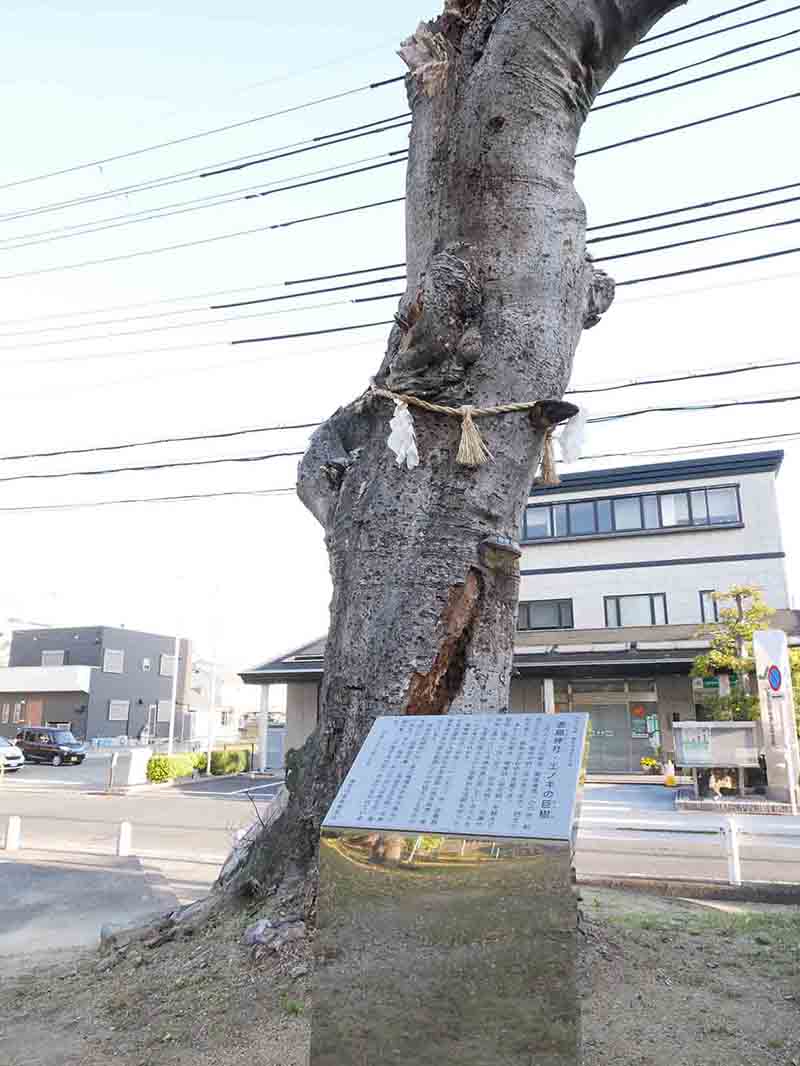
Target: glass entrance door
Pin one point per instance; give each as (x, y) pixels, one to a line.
(610, 739)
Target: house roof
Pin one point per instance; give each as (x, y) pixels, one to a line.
(634, 650)
(682, 470)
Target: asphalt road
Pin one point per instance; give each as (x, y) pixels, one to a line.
(195, 820)
(634, 831)
(626, 830)
(52, 900)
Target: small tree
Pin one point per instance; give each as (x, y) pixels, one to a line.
(731, 653)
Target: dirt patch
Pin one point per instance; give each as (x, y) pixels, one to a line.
(663, 981)
(204, 999)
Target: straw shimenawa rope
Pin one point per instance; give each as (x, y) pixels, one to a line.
(472, 449)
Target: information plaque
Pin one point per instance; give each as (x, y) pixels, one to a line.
(500, 776)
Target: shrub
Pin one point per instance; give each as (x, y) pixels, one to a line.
(166, 767)
(231, 761)
(201, 762)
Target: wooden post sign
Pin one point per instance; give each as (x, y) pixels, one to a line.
(447, 914)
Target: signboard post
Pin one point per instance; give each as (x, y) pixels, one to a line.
(447, 915)
(773, 670)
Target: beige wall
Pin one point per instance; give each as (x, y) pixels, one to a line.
(301, 712)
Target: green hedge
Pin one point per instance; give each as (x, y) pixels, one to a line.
(232, 761)
(166, 767)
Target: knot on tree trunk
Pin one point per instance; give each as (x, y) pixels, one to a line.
(599, 296)
(439, 337)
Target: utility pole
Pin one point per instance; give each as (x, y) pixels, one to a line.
(740, 642)
(174, 697)
(212, 714)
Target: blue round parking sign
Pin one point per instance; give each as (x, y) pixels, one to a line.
(775, 678)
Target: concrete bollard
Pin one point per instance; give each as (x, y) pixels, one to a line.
(112, 766)
(124, 839)
(730, 831)
(14, 833)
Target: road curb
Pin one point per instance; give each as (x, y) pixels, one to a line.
(182, 782)
(749, 892)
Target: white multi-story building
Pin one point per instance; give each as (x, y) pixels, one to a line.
(617, 573)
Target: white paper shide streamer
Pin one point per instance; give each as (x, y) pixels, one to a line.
(573, 436)
(402, 438)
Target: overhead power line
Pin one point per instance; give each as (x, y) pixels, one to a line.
(598, 387)
(692, 221)
(700, 78)
(700, 62)
(148, 499)
(149, 467)
(698, 240)
(700, 22)
(191, 438)
(291, 490)
(710, 266)
(393, 266)
(335, 329)
(597, 420)
(201, 203)
(380, 203)
(266, 286)
(195, 136)
(213, 322)
(704, 36)
(311, 333)
(695, 375)
(132, 153)
(309, 148)
(687, 125)
(325, 140)
(701, 445)
(338, 329)
(692, 407)
(197, 243)
(309, 292)
(321, 140)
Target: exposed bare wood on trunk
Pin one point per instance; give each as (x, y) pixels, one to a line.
(425, 563)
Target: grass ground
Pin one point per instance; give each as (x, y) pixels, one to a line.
(663, 982)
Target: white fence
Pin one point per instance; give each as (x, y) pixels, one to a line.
(694, 851)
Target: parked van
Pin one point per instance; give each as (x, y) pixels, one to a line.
(43, 743)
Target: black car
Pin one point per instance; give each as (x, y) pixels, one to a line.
(43, 743)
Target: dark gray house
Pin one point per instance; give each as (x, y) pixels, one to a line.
(98, 680)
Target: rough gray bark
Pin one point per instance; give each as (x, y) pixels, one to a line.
(425, 563)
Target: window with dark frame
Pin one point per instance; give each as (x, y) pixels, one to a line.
(677, 509)
(545, 614)
(709, 608)
(648, 609)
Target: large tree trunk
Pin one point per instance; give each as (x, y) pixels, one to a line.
(424, 562)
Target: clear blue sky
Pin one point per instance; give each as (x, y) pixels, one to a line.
(78, 86)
